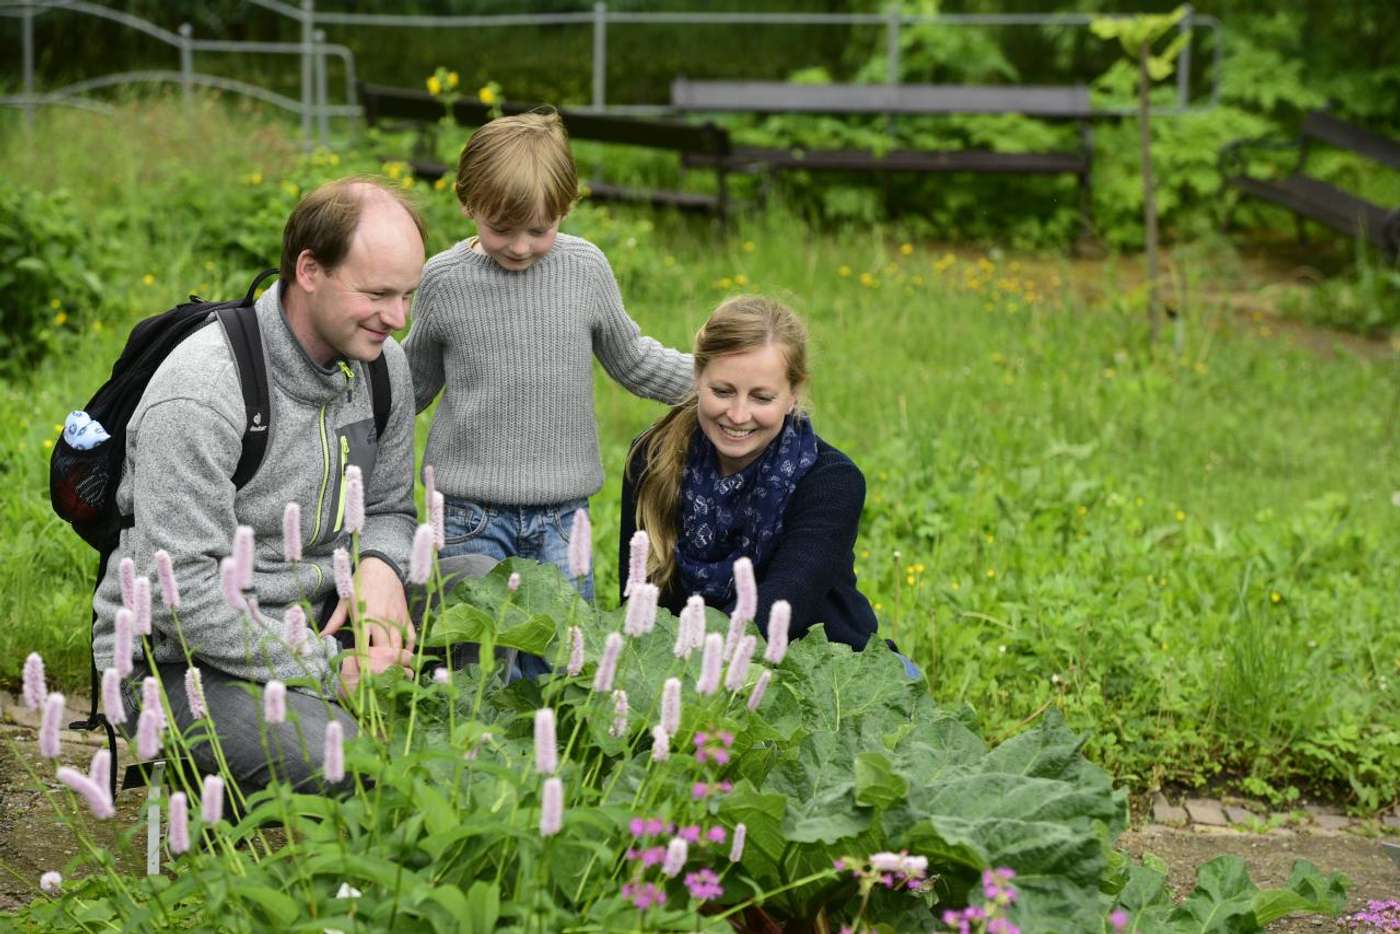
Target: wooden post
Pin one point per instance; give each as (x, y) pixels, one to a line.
(1149, 199)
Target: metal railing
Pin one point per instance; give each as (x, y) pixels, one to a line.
(316, 111)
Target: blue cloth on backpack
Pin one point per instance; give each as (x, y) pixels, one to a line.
(82, 432)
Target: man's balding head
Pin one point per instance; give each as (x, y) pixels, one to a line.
(326, 220)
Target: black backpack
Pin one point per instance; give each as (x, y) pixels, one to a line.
(83, 484)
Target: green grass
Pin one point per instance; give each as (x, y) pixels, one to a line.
(1190, 554)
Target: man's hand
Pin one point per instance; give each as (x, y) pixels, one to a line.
(386, 618)
(378, 659)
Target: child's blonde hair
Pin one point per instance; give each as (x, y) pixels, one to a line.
(515, 167)
(741, 324)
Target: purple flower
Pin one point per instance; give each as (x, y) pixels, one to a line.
(294, 629)
(354, 500)
(211, 802)
(546, 747)
(703, 885)
(739, 664)
(243, 556)
(291, 531)
(607, 665)
(179, 837)
(736, 846)
(335, 752)
(126, 576)
(165, 573)
(112, 707)
(98, 799)
(716, 834)
(575, 652)
(699, 791)
(437, 517)
(745, 591)
(194, 693)
(513, 582)
(228, 580)
(420, 563)
(677, 852)
(150, 699)
(551, 807)
(638, 548)
(275, 702)
(779, 618)
(344, 579)
(643, 894)
(1119, 919)
(34, 688)
(580, 545)
(711, 664)
(671, 706)
(620, 710)
(637, 827)
(141, 596)
(50, 725)
(641, 609)
(690, 833)
(761, 685)
(148, 734)
(122, 642)
(660, 744)
(50, 882)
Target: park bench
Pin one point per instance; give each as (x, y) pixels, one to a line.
(420, 108)
(1310, 198)
(775, 97)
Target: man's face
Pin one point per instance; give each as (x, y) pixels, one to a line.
(353, 308)
(516, 248)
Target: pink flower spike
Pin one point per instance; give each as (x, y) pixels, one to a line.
(97, 798)
(141, 595)
(759, 687)
(546, 747)
(165, 573)
(148, 734)
(429, 482)
(745, 591)
(334, 762)
(194, 693)
(580, 545)
(354, 500)
(575, 652)
(228, 580)
(690, 634)
(112, 707)
(50, 882)
(711, 664)
(437, 518)
(739, 665)
(733, 635)
(513, 582)
(126, 576)
(122, 642)
(671, 706)
(736, 846)
(620, 711)
(243, 556)
(551, 807)
(677, 852)
(50, 725)
(660, 744)
(294, 629)
(641, 609)
(100, 769)
(211, 802)
(607, 665)
(275, 702)
(344, 579)
(291, 531)
(638, 548)
(150, 699)
(420, 563)
(179, 835)
(34, 688)
(779, 618)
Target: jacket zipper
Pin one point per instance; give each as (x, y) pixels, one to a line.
(344, 465)
(325, 479)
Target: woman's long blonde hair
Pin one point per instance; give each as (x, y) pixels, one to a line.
(741, 324)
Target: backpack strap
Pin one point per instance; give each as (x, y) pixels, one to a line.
(240, 323)
(380, 393)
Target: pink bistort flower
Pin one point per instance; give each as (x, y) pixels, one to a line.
(50, 882)
(671, 706)
(354, 500)
(228, 581)
(165, 573)
(607, 665)
(126, 577)
(243, 556)
(580, 545)
(711, 665)
(420, 563)
(660, 744)
(291, 531)
(98, 799)
(150, 698)
(437, 518)
(275, 702)
(194, 693)
(211, 802)
(122, 642)
(546, 746)
(34, 688)
(745, 590)
(779, 618)
(334, 762)
(112, 707)
(677, 852)
(50, 725)
(759, 687)
(736, 845)
(551, 807)
(141, 597)
(739, 665)
(148, 734)
(575, 652)
(179, 834)
(344, 578)
(637, 550)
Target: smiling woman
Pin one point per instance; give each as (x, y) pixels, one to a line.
(737, 471)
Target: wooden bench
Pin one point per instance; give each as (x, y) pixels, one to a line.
(775, 97)
(1313, 199)
(420, 108)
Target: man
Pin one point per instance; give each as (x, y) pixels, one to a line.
(352, 255)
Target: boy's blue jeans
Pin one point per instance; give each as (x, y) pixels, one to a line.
(500, 532)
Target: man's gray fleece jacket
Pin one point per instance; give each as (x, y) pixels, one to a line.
(183, 445)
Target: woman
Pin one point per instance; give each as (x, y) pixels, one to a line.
(737, 471)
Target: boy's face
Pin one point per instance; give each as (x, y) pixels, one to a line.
(516, 248)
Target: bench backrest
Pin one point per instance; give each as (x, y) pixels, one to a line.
(381, 103)
(1334, 131)
(781, 97)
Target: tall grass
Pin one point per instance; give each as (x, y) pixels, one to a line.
(1189, 553)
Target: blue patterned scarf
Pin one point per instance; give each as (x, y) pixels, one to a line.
(741, 515)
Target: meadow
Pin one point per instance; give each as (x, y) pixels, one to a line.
(1188, 551)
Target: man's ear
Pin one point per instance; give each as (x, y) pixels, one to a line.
(309, 270)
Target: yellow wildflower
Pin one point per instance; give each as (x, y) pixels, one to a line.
(487, 95)
(434, 85)
(55, 304)
(749, 246)
(725, 282)
(867, 280)
(1275, 596)
(441, 183)
(917, 280)
(452, 80)
(991, 572)
(741, 280)
(955, 585)
(291, 188)
(47, 444)
(906, 249)
(149, 278)
(253, 178)
(668, 261)
(843, 271)
(60, 319)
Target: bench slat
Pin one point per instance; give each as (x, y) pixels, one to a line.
(600, 191)
(1322, 202)
(783, 97)
(899, 160)
(1337, 132)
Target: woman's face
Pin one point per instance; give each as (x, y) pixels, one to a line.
(743, 399)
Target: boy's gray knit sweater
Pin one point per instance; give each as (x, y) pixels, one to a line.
(183, 444)
(512, 353)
